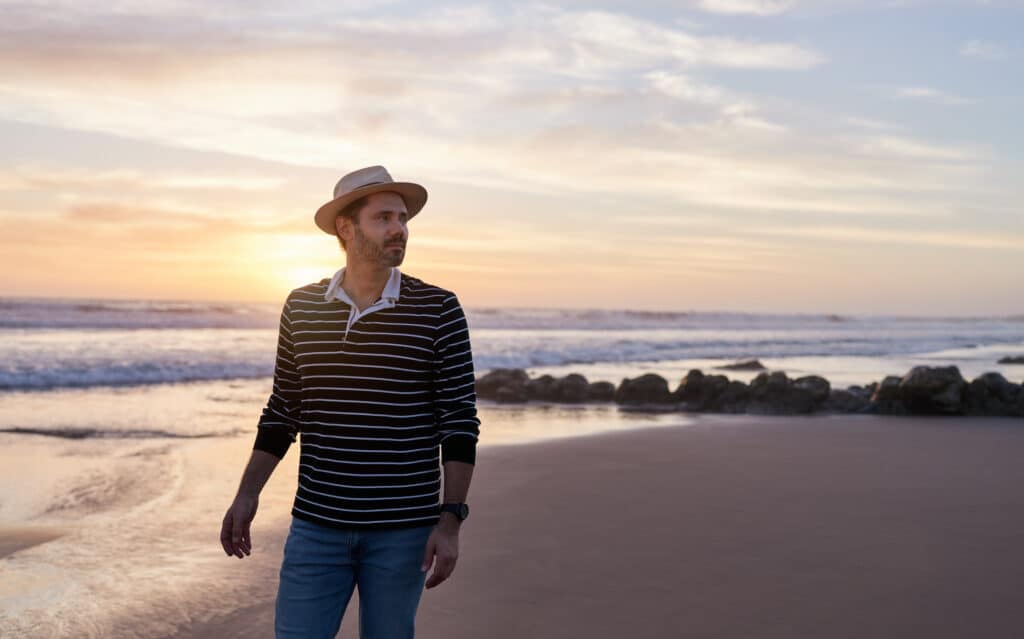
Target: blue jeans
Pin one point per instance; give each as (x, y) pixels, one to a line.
(322, 566)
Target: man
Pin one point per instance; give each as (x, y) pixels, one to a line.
(374, 368)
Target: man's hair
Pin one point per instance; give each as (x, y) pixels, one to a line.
(351, 211)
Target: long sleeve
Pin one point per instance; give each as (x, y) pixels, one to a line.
(279, 423)
(454, 386)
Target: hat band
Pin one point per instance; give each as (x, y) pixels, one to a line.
(361, 186)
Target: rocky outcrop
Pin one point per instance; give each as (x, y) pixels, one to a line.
(541, 388)
(775, 394)
(646, 389)
(993, 394)
(928, 390)
(513, 385)
(818, 387)
(503, 385)
(886, 399)
(601, 392)
(734, 398)
(1011, 359)
(698, 392)
(745, 365)
(923, 390)
(855, 399)
(571, 389)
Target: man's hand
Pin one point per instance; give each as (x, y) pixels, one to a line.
(443, 544)
(234, 531)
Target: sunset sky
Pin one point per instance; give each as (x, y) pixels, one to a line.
(782, 156)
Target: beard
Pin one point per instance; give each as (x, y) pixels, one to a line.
(380, 253)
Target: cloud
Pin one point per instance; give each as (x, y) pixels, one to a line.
(945, 239)
(266, 89)
(732, 110)
(932, 95)
(682, 87)
(869, 123)
(916, 149)
(984, 49)
(35, 177)
(542, 100)
(142, 220)
(751, 7)
(613, 40)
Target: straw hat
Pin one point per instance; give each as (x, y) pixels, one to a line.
(372, 179)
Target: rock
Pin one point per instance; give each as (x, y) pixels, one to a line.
(511, 395)
(700, 392)
(503, 384)
(734, 398)
(886, 397)
(745, 365)
(689, 387)
(863, 391)
(928, 390)
(775, 394)
(542, 388)
(992, 394)
(1011, 359)
(572, 388)
(601, 392)
(846, 401)
(646, 389)
(816, 385)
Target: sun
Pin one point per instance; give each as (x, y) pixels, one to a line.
(302, 275)
(288, 261)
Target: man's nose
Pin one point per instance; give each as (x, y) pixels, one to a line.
(398, 229)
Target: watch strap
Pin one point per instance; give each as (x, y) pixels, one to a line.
(460, 510)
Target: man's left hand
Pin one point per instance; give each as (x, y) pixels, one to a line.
(444, 545)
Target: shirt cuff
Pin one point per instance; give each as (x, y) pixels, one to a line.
(459, 448)
(272, 440)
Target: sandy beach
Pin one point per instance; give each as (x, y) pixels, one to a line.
(731, 526)
(15, 538)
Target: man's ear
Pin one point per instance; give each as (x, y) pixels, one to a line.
(339, 224)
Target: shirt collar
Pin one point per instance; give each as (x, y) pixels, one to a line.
(390, 293)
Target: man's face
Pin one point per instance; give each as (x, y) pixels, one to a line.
(381, 233)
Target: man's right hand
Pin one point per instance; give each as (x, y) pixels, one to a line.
(234, 531)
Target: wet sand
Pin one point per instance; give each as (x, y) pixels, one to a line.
(731, 527)
(15, 538)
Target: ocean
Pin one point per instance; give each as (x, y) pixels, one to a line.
(48, 345)
(125, 426)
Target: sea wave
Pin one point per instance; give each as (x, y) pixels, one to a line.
(93, 343)
(78, 432)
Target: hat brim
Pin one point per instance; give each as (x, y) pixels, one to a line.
(414, 195)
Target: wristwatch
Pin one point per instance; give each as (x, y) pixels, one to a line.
(459, 510)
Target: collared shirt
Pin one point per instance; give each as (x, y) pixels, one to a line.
(387, 299)
(377, 395)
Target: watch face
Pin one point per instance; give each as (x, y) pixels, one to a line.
(459, 510)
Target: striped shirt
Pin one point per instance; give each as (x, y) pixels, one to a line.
(376, 394)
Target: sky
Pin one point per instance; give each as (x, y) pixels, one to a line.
(832, 156)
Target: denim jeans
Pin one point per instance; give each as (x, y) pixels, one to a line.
(322, 566)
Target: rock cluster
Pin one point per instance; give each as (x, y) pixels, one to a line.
(746, 365)
(924, 390)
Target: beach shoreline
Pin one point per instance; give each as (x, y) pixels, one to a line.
(730, 526)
